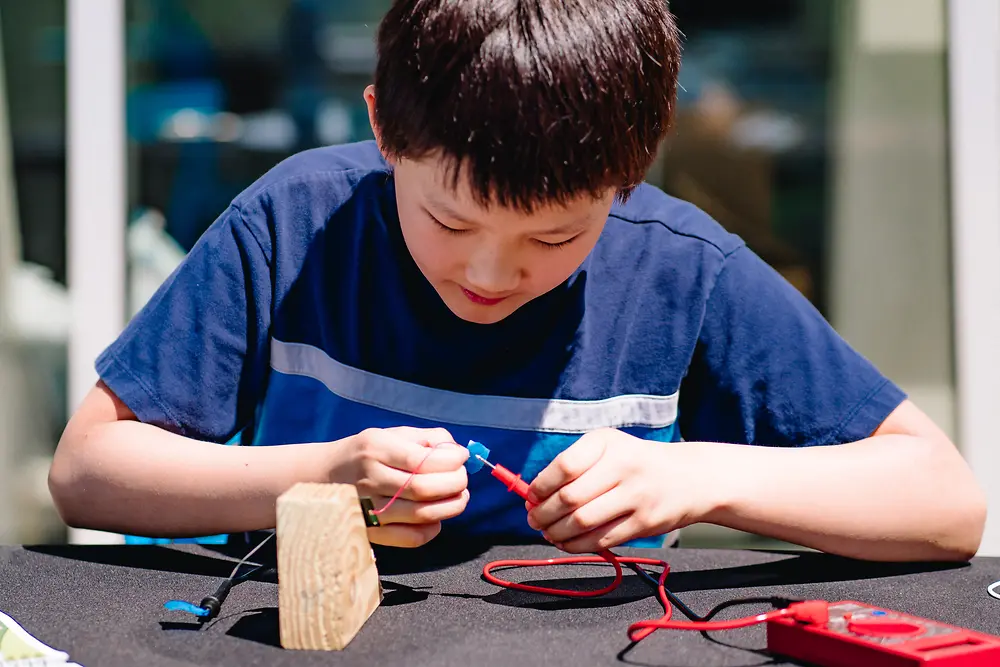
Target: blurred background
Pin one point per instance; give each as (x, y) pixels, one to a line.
(851, 143)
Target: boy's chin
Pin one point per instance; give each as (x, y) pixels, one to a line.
(474, 313)
(481, 314)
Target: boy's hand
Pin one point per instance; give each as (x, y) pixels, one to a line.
(379, 461)
(610, 487)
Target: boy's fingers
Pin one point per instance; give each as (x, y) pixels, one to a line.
(392, 448)
(424, 487)
(430, 437)
(607, 536)
(404, 535)
(590, 517)
(578, 493)
(436, 485)
(567, 466)
(441, 458)
(396, 450)
(410, 512)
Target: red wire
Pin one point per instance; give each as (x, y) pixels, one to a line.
(602, 557)
(637, 631)
(406, 483)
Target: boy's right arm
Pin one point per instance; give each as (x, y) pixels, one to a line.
(114, 473)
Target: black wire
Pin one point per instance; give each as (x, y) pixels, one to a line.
(674, 600)
(250, 553)
(775, 601)
(213, 603)
(249, 573)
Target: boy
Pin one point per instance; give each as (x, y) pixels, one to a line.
(493, 268)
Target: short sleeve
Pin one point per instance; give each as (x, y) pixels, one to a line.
(768, 369)
(193, 360)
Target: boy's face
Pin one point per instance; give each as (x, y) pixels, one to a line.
(487, 263)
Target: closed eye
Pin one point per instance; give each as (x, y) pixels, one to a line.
(446, 228)
(560, 244)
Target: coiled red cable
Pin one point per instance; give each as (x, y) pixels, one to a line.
(602, 557)
(809, 611)
(637, 631)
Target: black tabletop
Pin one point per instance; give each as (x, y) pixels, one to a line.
(104, 606)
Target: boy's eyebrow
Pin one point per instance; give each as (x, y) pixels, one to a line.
(448, 212)
(572, 226)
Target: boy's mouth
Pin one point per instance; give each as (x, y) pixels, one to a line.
(481, 300)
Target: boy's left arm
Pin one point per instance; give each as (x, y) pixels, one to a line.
(902, 494)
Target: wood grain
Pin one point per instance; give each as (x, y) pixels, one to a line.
(328, 583)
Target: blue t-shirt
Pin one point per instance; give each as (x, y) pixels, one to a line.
(299, 316)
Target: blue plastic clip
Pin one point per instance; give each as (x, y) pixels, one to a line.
(472, 464)
(183, 605)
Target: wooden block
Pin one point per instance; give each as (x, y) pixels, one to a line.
(328, 584)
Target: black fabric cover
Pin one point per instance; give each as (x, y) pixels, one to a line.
(104, 605)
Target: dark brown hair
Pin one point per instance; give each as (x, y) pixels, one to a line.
(536, 100)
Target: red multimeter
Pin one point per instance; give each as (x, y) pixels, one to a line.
(858, 635)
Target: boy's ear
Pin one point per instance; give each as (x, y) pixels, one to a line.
(369, 96)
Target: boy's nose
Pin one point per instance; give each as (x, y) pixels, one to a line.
(490, 273)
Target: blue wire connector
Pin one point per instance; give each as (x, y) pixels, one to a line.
(473, 464)
(209, 607)
(184, 605)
